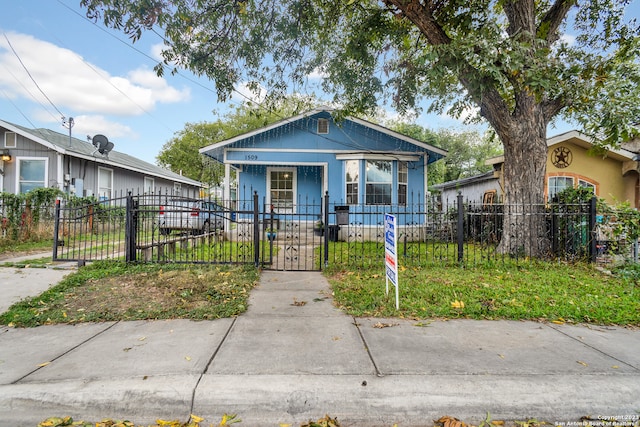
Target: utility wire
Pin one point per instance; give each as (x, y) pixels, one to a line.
(352, 145)
(30, 76)
(30, 94)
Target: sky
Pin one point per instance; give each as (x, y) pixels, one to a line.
(56, 63)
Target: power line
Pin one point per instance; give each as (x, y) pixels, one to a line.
(30, 76)
(286, 120)
(30, 94)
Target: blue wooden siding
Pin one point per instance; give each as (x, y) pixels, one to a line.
(319, 160)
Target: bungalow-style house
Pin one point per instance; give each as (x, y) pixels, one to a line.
(295, 161)
(613, 176)
(33, 158)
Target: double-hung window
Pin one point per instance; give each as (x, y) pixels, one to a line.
(32, 173)
(105, 183)
(403, 175)
(379, 178)
(352, 177)
(282, 189)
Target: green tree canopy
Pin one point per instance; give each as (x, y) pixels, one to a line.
(521, 63)
(181, 155)
(467, 150)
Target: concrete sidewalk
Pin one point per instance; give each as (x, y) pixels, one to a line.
(293, 357)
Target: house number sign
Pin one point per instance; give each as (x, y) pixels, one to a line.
(561, 157)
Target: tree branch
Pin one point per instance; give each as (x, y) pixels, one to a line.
(553, 107)
(551, 21)
(423, 18)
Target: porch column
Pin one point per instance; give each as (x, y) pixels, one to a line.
(226, 195)
(226, 183)
(60, 171)
(425, 171)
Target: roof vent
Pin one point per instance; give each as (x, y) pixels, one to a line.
(10, 140)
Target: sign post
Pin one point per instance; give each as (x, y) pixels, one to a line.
(391, 255)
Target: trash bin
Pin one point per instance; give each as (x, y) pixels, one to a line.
(342, 215)
(333, 233)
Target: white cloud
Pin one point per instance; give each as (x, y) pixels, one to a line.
(93, 125)
(247, 94)
(74, 85)
(90, 125)
(317, 74)
(568, 39)
(156, 51)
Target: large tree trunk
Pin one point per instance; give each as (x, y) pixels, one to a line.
(525, 155)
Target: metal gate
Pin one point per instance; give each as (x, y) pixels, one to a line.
(293, 239)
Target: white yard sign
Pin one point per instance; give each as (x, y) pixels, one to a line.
(390, 254)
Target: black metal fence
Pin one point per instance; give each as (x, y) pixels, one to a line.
(310, 235)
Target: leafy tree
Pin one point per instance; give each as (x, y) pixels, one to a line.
(181, 155)
(507, 58)
(467, 151)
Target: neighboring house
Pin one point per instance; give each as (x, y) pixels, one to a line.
(612, 174)
(483, 188)
(33, 158)
(295, 161)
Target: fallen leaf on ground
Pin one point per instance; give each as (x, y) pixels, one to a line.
(457, 304)
(582, 363)
(297, 303)
(381, 325)
(448, 421)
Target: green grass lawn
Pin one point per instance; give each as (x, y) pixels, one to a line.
(110, 291)
(547, 291)
(523, 290)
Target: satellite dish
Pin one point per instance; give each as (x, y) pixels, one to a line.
(106, 148)
(102, 144)
(100, 141)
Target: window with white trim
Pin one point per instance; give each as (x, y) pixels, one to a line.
(177, 188)
(352, 178)
(323, 126)
(32, 173)
(149, 185)
(379, 179)
(105, 183)
(403, 177)
(282, 189)
(556, 184)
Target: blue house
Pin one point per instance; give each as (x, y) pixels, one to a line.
(291, 164)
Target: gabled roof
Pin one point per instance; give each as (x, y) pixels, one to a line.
(78, 148)
(580, 139)
(210, 150)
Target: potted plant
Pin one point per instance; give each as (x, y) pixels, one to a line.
(271, 233)
(318, 228)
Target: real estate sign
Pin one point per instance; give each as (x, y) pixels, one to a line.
(390, 254)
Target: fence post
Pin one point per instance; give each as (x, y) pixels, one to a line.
(130, 229)
(56, 229)
(325, 232)
(460, 230)
(593, 248)
(256, 230)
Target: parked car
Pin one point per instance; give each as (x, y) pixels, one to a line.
(192, 215)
